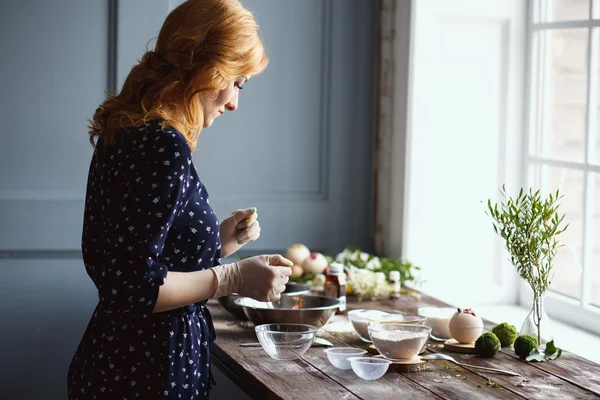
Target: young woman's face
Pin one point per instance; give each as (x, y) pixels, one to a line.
(214, 105)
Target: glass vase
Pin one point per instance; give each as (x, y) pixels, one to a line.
(537, 323)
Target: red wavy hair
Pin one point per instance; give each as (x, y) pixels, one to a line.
(201, 46)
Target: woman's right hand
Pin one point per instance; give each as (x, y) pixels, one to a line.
(262, 278)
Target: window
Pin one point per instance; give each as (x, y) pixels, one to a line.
(563, 146)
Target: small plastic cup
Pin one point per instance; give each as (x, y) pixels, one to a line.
(369, 368)
(338, 356)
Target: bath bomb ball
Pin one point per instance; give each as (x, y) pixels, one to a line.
(465, 326)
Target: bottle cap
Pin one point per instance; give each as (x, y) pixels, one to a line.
(336, 268)
(394, 275)
(379, 276)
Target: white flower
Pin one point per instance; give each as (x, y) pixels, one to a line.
(319, 279)
(344, 256)
(374, 264)
(364, 256)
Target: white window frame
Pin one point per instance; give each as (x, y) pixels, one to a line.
(580, 312)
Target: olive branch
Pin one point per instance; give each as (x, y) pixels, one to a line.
(529, 225)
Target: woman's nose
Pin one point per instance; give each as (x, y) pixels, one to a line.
(232, 104)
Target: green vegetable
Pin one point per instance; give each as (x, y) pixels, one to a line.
(506, 332)
(487, 345)
(524, 345)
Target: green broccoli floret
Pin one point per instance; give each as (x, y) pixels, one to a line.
(524, 344)
(506, 332)
(487, 345)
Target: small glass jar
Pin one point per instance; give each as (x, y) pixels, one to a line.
(395, 284)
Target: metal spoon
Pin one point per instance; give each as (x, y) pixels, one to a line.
(439, 356)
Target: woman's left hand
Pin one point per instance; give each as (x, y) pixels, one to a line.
(238, 229)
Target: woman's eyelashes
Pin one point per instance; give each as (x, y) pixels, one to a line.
(239, 85)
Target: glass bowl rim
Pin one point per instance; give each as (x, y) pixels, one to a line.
(370, 360)
(415, 317)
(413, 327)
(334, 350)
(265, 328)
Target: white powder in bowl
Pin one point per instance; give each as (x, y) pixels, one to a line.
(396, 344)
(360, 321)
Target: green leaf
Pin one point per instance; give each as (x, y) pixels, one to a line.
(550, 353)
(554, 356)
(536, 355)
(550, 348)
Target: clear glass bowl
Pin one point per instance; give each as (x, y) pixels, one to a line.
(338, 356)
(361, 318)
(285, 341)
(395, 340)
(438, 318)
(369, 368)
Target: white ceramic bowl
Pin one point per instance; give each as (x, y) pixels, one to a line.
(285, 341)
(438, 318)
(369, 368)
(338, 356)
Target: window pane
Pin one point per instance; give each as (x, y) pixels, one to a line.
(597, 34)
(567, 262)
(565, 93)
(595, 267)
(564, 10)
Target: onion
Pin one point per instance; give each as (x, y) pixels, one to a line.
(297, 253)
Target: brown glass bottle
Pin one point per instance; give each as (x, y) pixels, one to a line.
(335, 284)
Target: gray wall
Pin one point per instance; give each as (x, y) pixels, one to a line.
(303, 129)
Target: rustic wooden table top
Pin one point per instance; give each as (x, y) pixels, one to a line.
(313, 377)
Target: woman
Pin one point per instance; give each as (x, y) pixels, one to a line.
(151, 242)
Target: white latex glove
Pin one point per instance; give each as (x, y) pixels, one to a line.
(262, 278)
(238, 229)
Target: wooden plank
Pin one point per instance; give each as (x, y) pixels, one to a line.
(571, 368)
(263, 377)
(441, 379)
(568, 376)
(533, 383)
(386, 387)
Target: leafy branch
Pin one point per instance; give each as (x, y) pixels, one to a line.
(529, 225)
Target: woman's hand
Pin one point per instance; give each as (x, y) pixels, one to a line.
(238, 229)
(262, 278)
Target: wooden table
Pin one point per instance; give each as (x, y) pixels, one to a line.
(314, 378)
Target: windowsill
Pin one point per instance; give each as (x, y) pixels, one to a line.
(577, 341)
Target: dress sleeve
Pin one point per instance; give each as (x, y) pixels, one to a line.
(150, 193)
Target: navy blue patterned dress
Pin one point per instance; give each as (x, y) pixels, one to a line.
(146, 212)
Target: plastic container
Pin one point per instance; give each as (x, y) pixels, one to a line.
(338, 356)
(369, 368)
(285, 341)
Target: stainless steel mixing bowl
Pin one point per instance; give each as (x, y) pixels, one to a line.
(306, 309)
(228, 302)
